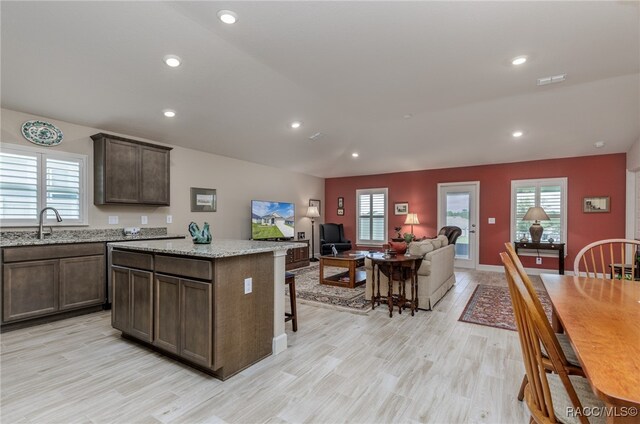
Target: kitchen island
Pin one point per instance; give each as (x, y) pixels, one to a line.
(218, 307)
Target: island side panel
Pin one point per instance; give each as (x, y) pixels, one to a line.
(243, 321)
(279, 343)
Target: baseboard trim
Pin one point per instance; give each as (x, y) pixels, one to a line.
(530, 271)
(279, 344)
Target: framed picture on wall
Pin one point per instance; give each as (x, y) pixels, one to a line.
(341, 202)
(596, 204)
(203, 199)
(340, 212)
(316, 203)
(401, 208)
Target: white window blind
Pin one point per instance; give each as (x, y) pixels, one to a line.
(372, 216)
(31, 179)
(550, 195)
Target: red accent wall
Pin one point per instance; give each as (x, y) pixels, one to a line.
(602, 175)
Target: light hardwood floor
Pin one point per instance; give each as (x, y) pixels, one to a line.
(340, 367)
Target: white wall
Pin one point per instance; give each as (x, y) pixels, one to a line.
(237, 183)
(633, 157)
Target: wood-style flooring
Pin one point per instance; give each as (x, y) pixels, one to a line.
(339, 367)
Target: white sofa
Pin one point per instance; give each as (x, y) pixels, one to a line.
(435, 275)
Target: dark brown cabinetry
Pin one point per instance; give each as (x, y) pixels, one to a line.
(46, 280)
(30, 289)
(298, 257)
(130, 172)
(132, 305)
(183, 318)
(201, 313)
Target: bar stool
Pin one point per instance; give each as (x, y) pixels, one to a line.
(290, 280)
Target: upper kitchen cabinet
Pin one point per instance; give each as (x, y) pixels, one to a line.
(129, 171)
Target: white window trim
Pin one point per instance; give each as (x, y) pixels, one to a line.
(84, 186)
(562, 181)
(386, 216)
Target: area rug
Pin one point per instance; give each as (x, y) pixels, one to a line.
(491, 306)
(309, 290)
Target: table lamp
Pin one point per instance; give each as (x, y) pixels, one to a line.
(313, 213)
(412, 219)
(536, 214)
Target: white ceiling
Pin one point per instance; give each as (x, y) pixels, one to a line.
(350, 70)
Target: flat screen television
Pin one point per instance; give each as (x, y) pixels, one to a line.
(272, 220)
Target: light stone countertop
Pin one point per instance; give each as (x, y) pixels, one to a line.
(220, 248)
(29, 238)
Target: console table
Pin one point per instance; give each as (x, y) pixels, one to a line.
(558, 247)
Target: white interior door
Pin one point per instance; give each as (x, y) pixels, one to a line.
(458, 206)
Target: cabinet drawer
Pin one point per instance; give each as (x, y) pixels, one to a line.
(34, 253)
(132, 260)
(184, 267)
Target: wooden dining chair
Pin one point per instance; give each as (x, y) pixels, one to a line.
(568, 355)
(549, 396)
(611, 258)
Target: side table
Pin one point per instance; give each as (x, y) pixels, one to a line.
(558, 247)
(399, 268)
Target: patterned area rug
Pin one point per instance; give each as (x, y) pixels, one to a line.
(309, 290)
(491, 306)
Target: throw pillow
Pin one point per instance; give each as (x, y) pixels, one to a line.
(399, 246)
(443, 240)
(420, 248)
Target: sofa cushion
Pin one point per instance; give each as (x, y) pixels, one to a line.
(399, 246)
(444, 241)
(420, 248)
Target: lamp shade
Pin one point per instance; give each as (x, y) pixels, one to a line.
(313, 212)
(536, 213)
(412, 219)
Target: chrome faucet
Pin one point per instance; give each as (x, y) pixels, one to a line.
(58, 218)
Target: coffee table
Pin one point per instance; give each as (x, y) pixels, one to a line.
(352, 260)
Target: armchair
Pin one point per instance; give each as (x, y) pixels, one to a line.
(452, 233)
(333, 234)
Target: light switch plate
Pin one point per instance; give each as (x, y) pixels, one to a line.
(492, 220)
(169, 219)
(144, 219)
(248, 285)
(113, 220)
(538, 260)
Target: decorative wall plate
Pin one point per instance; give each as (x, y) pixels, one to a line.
(42, 133)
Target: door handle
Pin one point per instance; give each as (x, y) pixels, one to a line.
(472, 231)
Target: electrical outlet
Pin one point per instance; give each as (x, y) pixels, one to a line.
(492, 220)
(248, 285)
(538, 260)
(169, 219)
(113, 220)
(144, 219)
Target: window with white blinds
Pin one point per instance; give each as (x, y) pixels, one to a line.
(372, 216)
(31, 179)
(550, 195)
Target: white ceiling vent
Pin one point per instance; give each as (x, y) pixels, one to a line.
(317, 136)
(552, 80)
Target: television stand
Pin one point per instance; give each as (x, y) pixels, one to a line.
(298, 257)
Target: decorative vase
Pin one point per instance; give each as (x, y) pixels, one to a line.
(200, 237)
(408, 237)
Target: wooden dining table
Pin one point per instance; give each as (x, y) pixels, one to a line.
(602, 320)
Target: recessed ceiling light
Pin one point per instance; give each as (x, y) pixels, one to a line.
(295, 124)
(227, 16)
(517, 134)
(169, 113)
(408, 116)
(355, 154)
(519, 60)
(599, 144)
(172, 60)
